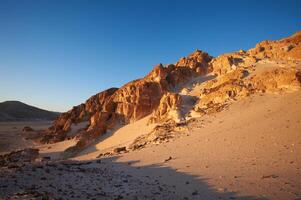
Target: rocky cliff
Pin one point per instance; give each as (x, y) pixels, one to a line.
(133, 101)
(209, 84)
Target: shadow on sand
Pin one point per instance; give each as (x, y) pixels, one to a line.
(180, 185)
(107, 178)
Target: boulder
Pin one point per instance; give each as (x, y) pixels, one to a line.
(119, 149)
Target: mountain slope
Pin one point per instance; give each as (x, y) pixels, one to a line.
(18, 111)
(249, 149)
(196, 85)
(202, 128)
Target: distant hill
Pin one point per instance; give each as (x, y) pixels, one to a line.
(18, 111)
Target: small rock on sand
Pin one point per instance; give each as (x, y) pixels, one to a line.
(119, 149)
(27, 129)
(168, 159)
(269, 176)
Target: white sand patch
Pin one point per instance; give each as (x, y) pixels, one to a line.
(76, 127)
(121, 137)
(54, 150)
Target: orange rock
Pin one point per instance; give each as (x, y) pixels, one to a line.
(155, 93)
(168, 109)
(197, 61)
(58, 131)
(286, 49)
(137, 99)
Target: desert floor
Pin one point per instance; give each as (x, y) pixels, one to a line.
(11, 135)
(251, 150)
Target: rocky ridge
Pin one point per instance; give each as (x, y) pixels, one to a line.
(129, 103)
(164, 92)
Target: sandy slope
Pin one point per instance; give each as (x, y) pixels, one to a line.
(249, 151)
(252, 149)
(121, 137)
(55, 151)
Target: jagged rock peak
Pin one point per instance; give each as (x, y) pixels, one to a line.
(129, 103)
(198, 61)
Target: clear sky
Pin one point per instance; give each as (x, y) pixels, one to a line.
(56, 54)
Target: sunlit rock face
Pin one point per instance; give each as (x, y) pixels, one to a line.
(168, 109)
(286, 49)
(197, 61)
(214, 94)
(83, 112)
(131, 102)
(235, 75)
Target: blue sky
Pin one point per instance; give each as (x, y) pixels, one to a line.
(56, 54)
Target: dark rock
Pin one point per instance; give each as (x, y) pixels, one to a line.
(119, 149)
(27, 129)
(168, 159)
(269, 176)
(46, 158)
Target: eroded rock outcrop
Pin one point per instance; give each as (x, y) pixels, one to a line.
(137, 99)
(271, 66)
(197, 61)
(286, 49)
(186, 68)
(141, 97)
(83, 112)
(133, 101)
(233, 76)
(168, 109)
(215, 94)
(229, 62)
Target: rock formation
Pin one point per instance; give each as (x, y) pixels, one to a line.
(235, 75)
(168, 109)
(286, 49)
(243, 73)
(240, 83)
(133, 101)
(83, 112)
